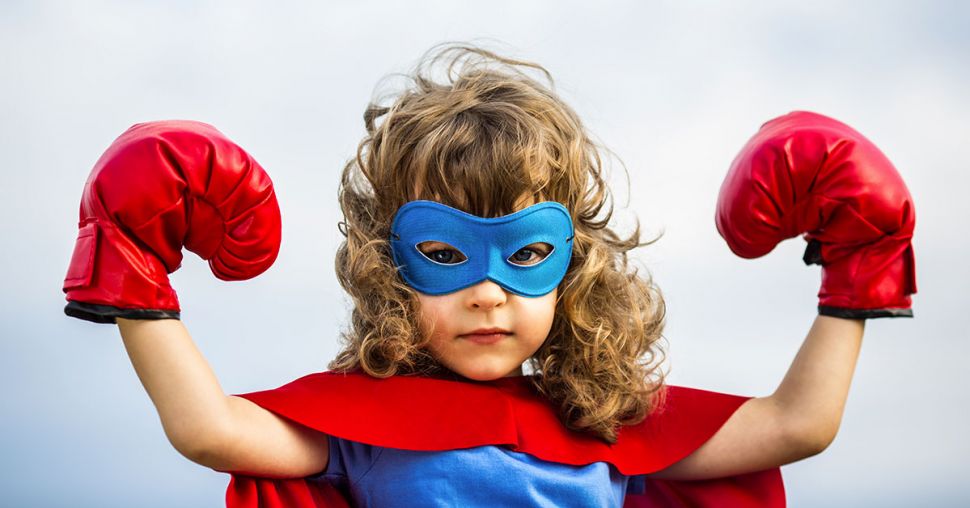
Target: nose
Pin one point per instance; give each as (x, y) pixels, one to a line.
(485, 295)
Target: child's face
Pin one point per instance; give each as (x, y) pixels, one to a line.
(448, 319)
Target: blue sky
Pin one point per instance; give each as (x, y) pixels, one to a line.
(674, 89)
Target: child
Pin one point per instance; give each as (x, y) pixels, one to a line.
(478, 240)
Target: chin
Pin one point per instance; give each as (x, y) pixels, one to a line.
(485, 374)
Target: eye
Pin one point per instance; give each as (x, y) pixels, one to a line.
(531, 254)
(441, 253)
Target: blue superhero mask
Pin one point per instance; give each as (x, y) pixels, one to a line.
(487, 245)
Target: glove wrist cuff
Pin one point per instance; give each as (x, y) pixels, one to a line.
(97, 313)
(110, 276)
(841, 312)
(870, 281)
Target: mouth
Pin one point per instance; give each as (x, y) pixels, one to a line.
(486, 335)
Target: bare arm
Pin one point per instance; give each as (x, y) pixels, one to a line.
(205, 425)
(800, 419)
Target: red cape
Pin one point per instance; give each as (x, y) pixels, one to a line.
(425, 413)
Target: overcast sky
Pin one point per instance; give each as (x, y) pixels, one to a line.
(674, 88)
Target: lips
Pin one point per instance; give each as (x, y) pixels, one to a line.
(488, 331)
(486, 335)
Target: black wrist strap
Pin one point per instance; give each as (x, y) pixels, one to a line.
(840, 312)
(106, 313)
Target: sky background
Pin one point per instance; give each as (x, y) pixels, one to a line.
(673, 88)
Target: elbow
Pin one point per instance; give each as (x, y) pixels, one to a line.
(203, 445)
(815, 444)
(811, 436)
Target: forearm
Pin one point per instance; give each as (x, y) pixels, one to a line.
(811, 397)
(798, 420)
(190, 402)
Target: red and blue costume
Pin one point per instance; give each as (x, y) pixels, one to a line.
(425, 413)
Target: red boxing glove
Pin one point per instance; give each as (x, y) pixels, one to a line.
(161, 186)
(807, 173)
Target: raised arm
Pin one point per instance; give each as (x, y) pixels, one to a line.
(205, 425)
(159, 187)
(805, 173)
(800, 419)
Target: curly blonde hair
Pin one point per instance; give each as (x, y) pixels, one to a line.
(479, 138)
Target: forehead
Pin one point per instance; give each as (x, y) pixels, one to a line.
(488, 208)
(485, 190)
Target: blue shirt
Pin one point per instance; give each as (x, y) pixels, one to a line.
(375, 476)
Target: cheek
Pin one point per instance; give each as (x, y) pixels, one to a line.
(541, 312)
(549, 304)
(431, 308)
